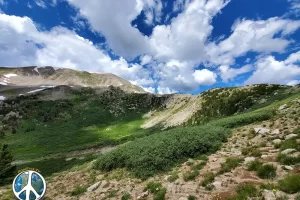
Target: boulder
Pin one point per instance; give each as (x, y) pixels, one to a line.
(291, 136)
(282, 107)
(217, 184)
(93, 187)
(288, 151)
(275, 132)
(261, 130)
(143, 195)
(277, 141)
(268, 195)
(288, 167)
(249, 159)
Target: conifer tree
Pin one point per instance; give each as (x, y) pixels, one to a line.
(7, 170)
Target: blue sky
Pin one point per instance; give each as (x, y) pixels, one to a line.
(184, 46)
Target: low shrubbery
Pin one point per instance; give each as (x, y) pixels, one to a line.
(266, 171)
(126, 196)
(245, 191)
(289, 144)
(230, 164)
(208, 179)
(78, 190)
(254, 165)
(290, 184)
(159, 152)
(251, 151)
(156, 189)
(190, 175)
(288, 160)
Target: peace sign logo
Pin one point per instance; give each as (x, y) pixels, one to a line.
(29, 185)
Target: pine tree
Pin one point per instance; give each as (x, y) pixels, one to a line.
(7, 170)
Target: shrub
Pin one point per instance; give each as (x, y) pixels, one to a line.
(288, 160)
(245, 191)
(7, 170)
(191, 175)
(173, 177)
(153, 187)
(78, 190)
(190, 163)
(284, 197)
(251, 151)
(266, 171)
(267, 186)
(199, 166)
(208, 178)
(289, 144)
(297, 197)
(254, 165)
(231, 163)
(290, 184)
(159, 152)
(126, 196)
(191, 197)
(202, 157)
(160, 195)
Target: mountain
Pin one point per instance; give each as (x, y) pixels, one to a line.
(225, 143)
(42, 77)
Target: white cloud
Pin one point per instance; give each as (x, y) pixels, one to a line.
(256, 36)
(29, 5)
(40, 3)
(146, 59)
(228, 73)
(1, 2)
(149, 89)
(293, 58)
(270, 70)
(205, 77)
(293, 82)
(23, 44)
(165, 90)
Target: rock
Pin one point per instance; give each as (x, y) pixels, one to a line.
(277, 141)
(284, 106)
(275, 132)
(268, 195)
(69, 159)
(104, 184)
(261, 130)
(215, 159)
(288, 167)
(288, 151)
(249, 159)
(274, 150)
(93, 187)
(264, 156)
(183, 198)
(217, 184)
(143, 195)
(291, 136)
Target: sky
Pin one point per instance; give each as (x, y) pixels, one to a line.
(164, 46)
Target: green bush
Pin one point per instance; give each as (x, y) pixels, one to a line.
(290, 184)
(288, 160)
(126, 196)
(254, 165)
(160, 195)
(297, 197)
(230, 164)
(173, 177)
(159, 152)
(251, 151)
(266, 171)
(191, 197)
(268, 186)
(245, 191)
(289, 144)
(199, 166)
(191, 175)
(202, 157)
(153, 187)
(208, 179)
(78, 190)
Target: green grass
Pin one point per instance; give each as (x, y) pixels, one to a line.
(173, 177)
(190, 175)
(167, 148)
(230, 164)
(208, 179)
(156, 189)
(245, 191)
(288, 160)
(50, 166)
(191, 197)
(289, 144)
(254, 165)
(126, 196)
(78, 190)
(290, 184)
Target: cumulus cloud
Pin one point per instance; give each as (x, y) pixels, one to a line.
(293, 82)
(228, 73)
(204, 77)
(23, 44)
(270, 70)
(165, 90)
(146, 59)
